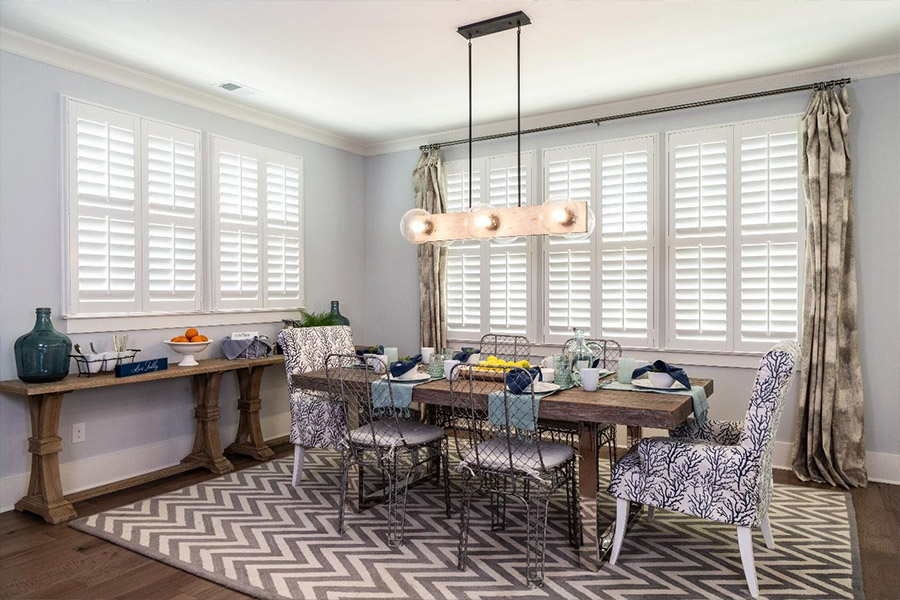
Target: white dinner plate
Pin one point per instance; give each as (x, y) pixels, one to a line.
(420, 376)
(646, 383)
(542, 387)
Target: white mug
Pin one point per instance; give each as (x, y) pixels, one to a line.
(547, 363)
(426, 353)
(448, 369)
(590, 378)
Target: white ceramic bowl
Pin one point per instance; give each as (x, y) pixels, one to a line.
(661, 379)
(412, 373)
(377, 361)
(188, 350)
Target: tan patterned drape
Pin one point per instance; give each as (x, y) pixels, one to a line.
(428, 183)
(828, 443)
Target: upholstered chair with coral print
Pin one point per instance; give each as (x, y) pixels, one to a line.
(720, 470)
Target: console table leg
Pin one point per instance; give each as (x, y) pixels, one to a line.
(45, 496)
(207, 451)
(249, 439)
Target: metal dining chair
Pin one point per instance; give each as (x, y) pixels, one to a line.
(379, 436)
(507, 347)
(501, 456)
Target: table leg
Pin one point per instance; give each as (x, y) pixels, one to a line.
(45, 496)
(249, 439)
(588, 488)
(207, 451)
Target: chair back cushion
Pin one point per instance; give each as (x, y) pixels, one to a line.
(305, 348)
(773, 380)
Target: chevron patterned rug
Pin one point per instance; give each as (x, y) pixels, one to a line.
(254, 532)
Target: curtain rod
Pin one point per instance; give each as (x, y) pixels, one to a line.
(821, 85)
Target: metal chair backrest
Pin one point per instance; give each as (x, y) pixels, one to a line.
(507, 347)
(608, 351)
(494, 429)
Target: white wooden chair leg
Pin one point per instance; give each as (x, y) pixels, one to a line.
(650, 512)
(767, 533)
(622, 508)
(299, 453)
(745, 542)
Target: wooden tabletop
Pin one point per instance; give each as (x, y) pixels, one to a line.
(644, 409)
(74, 382)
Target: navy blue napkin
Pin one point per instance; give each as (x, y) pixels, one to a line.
(677, 373)
(401, 367)
(464, 354)
(518, 380)
(378, 350)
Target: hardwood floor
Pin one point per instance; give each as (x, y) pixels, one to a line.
(41, 561)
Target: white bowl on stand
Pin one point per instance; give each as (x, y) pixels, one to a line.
(188, 350)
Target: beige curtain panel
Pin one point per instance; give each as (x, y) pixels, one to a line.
(828, 443)
(428, 183)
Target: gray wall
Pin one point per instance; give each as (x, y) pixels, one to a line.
(30, 264)
(875, 131)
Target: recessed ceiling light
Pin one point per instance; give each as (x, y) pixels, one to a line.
(237, 88)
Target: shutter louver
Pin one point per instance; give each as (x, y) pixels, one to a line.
(701, 297)
(283, 256)
(568, 292)
(701, 178)
(769, 237)
(463, 258)
(172, 217)
(625, 240)
(104, 219)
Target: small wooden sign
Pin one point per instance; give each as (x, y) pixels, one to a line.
(143, 366)
(244, 335)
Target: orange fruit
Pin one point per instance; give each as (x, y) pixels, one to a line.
(199, 338)
(191, 333)
(179, 338)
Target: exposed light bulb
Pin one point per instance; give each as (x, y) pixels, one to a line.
(416, 225)
(482, 221)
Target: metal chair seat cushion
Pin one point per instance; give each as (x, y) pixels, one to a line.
(494, 455)
(389, 433)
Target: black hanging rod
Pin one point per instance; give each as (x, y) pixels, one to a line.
(494, 25)
(820, 85)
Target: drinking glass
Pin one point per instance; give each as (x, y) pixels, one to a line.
(436, 365)
(562, 371)
(626, 368)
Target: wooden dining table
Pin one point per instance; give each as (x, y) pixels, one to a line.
(585, 412)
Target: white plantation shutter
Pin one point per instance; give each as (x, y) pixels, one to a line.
(104, 219)
(284, 262)
(463, 257)
(507, 306)
(236, 181)
(568, 265)
(769, 234)
(625, 198)
(699, 238)
(172, 217)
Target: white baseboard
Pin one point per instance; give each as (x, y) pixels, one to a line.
(97, 470)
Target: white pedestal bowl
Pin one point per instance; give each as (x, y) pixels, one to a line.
(188, 350)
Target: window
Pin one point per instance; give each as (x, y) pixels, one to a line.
(135, 234)
(257, 213)
(134, 214)
(734, 238)
(489, 283)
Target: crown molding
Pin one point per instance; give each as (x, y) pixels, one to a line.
(72, 60)
(860, 69)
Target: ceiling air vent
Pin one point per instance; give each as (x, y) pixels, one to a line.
(237, 88)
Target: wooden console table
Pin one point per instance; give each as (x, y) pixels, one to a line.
(45, 495)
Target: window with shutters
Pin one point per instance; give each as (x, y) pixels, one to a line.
(257, 211)
(133, 213)
(135, 235)
(734, 238)
(489, 284)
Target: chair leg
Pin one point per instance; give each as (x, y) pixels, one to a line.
(397, 505)
(536, 517)
(464, 523)
(651, 511)
(445, 467)
(299, 454)
(345, 475)
(622, 508)
(767, 533)
(745, 542)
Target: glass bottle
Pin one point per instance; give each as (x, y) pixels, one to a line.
(339, 319)
(580, 356)
(42, 354)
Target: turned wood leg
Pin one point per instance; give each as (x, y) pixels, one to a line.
(635, 433)
(249, 438)
(45, 496)
(207, 450)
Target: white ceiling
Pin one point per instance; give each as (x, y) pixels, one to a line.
(374, 71)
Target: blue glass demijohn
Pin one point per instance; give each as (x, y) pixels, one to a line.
(42, 354)
(338, 318)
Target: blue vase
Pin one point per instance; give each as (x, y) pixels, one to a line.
(339, 319)
(42, 355)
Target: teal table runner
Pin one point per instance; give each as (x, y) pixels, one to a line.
(697, 394)
(522, 412)
(402, 392)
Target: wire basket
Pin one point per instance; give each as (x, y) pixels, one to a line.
(103, 362)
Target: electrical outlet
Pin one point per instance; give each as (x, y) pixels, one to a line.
(77, 433)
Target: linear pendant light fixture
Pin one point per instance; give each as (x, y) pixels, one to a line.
(558, 216)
